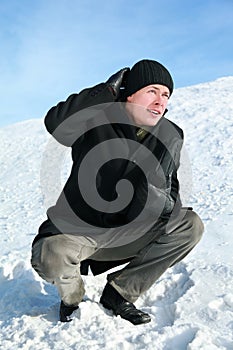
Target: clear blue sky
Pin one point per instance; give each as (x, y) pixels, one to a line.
(52, 48)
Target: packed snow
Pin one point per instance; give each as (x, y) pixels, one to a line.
(191, 304)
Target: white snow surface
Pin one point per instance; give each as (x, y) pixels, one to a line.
(191, 305)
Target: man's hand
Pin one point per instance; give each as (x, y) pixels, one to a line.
(117, 81)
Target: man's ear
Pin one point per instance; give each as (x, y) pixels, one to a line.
(129, 98)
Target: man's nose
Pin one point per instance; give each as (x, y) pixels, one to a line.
(158, 100)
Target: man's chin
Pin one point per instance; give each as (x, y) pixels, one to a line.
(153, 121)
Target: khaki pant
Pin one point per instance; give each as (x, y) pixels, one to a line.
(57, 258)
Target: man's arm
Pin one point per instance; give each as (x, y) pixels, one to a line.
(102, 93)
(175, 188)
(75, 103)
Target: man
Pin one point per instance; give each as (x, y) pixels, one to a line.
(124, 117)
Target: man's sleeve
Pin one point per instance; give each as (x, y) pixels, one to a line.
(67, 116)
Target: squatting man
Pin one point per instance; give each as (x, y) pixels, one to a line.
(120, 130)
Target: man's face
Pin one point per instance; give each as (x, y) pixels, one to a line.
(147, 105)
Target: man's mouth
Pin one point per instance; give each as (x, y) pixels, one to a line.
(153, 112)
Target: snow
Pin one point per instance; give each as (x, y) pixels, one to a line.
(191, 304)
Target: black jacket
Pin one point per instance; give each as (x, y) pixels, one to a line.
(89, 120)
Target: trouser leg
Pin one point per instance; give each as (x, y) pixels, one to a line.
(152, 261)
(57, 260)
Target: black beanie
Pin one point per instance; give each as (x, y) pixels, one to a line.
(147, 72)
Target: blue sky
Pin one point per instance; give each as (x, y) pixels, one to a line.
(52, 48)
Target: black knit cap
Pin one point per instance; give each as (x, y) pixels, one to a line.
(147, 72)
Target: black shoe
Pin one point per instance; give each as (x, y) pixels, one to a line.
(112, 300)
(66, 311)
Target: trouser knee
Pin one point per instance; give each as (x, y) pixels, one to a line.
(59, 255)
(46, 258)
(197, 227)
